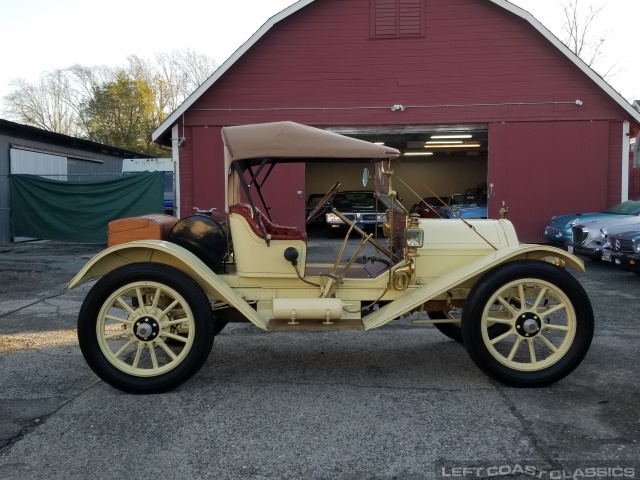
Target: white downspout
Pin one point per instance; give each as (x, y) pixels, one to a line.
(175, 155)
(624, 194)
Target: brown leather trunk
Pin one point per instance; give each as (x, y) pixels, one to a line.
(144, 227)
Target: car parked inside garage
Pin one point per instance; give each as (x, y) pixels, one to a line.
(427, 207)
(364, 208)
(465, 205)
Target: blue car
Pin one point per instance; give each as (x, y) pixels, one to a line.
(465, 205)
(559, 228)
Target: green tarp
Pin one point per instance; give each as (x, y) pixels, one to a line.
(79, 211)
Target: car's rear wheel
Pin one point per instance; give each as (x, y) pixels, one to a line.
(549, 319)
(451, 330)
(145, 328)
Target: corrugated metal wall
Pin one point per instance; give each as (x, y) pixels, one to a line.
(37, 163)
(532, 168)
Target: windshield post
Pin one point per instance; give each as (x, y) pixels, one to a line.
(393, 197)
(247, 191)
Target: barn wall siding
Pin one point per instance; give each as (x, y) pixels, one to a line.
(634, 177)
(530, 168)
(634, 183)
(472, 53)
(208, 172)
(186, 173)
(614, 176)
(473, 63)
(282, 197)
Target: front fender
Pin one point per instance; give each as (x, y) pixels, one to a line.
(470, 272)
(167, 254)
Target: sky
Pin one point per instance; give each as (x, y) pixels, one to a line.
(42, 35)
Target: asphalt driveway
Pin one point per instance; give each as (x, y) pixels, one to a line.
(399, 402)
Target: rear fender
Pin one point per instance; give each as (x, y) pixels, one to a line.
(167, 254)
(468, 274)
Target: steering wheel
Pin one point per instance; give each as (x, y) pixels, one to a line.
(324, 203)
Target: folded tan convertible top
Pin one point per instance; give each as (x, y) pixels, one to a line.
(295, 141)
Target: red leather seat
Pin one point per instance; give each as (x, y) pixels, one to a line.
(277, 232)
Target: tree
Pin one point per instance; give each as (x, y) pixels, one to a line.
(579, 25)
(84, 81)
(45, 104)
(82, 101)
(173, 76)
(122, 113)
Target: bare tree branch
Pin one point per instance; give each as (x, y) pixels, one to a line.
(579, 29)
(45, 104)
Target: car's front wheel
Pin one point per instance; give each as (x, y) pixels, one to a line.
(548, 320)
(452, 329)
(145, 328)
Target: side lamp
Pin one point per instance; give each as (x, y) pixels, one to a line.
(414, 234)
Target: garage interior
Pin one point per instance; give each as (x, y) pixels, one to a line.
(447, 160)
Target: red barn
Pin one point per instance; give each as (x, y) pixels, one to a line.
(541, 128)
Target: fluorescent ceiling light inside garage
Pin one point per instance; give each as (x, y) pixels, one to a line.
(448, 137)
(464, 145)
(436, 142)
(417, 154)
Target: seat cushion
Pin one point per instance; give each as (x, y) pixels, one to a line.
(277, 232)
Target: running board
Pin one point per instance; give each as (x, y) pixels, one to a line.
(318, 325)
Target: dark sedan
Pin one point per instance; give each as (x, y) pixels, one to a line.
(624, 250)
(365, 209)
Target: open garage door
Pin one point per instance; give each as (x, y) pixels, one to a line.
(448, 160)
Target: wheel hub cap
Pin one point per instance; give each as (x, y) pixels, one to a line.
(146, 328)
(528, 324)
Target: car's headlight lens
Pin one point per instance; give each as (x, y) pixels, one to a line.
(604, 234)
(333, 218)
(636, 246)
(415, 237)
(382, 217)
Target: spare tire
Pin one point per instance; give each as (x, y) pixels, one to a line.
(203, 236)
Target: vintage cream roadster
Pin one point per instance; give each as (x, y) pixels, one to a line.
(168, 286)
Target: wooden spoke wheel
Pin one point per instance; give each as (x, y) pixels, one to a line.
(146, 328)
(547, 319)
